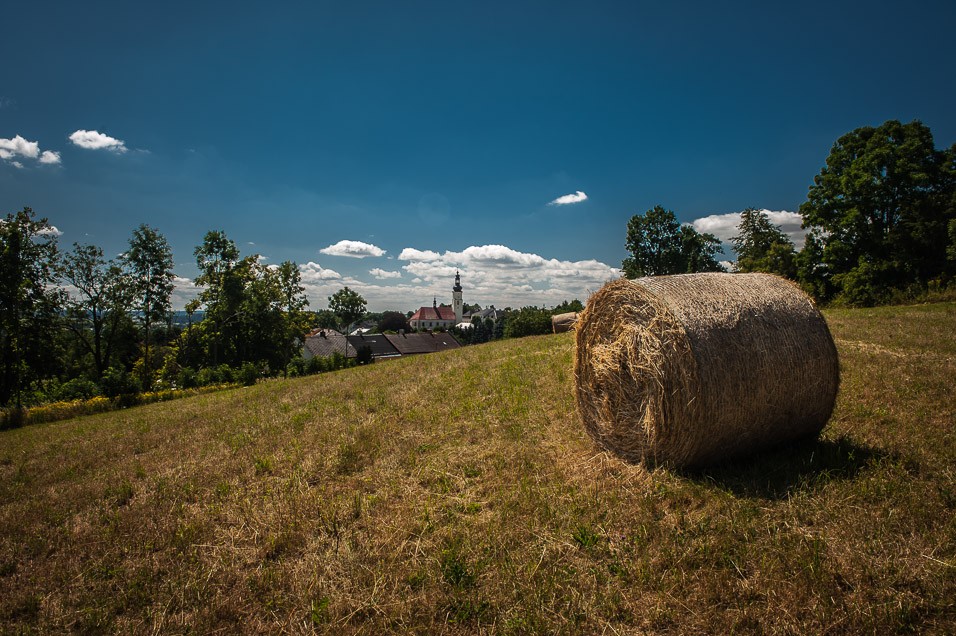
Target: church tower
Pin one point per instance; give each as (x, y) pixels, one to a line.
(456, 302)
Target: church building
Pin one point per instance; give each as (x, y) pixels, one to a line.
(436, 317)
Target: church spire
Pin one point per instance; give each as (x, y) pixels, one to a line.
(457, 287)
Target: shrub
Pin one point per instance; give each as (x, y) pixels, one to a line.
(186, 378)
(117, 381)
(248, 374)
(77, 389)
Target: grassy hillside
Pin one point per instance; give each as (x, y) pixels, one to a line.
(458, 493)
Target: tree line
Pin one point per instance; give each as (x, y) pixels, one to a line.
(880, 220)
(76, 324)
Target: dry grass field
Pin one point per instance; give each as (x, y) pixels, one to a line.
(458, 493)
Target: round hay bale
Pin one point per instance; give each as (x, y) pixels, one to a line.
(564, 322)
(693, 369)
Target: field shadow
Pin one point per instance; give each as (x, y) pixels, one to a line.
(783, 471)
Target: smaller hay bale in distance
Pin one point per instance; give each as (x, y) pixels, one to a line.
(562, 323)
(694, 369)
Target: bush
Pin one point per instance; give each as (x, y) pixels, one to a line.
(186, 378)
(316, 365)
(296, 367)
(248, 374)
(116, 382)
(77, 389)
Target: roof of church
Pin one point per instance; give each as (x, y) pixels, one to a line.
(434, 313)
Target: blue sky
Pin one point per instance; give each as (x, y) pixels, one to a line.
(430, 136)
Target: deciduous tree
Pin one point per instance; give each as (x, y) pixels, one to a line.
(660, 245)
(29, 301)
(149, 262)
(348, 306)
(762, 246)
(879, 210)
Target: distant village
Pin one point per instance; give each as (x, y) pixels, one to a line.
(428, 332)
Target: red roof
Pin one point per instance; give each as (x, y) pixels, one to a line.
(434, 313)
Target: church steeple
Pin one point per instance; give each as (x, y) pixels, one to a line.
(456, 299)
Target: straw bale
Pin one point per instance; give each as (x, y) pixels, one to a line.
(564, 322)
(697, 368)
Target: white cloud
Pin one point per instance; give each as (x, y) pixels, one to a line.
(724, 226)
(382, 274)
(17, 164)
(50, 157)
(94, 140)
(50, 231)
(568, 199)
(313, 272)
(352, 249)
(490, 274)
(411, 254)
(18, 146)
(184, 290)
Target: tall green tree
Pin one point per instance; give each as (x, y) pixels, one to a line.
(149, 262)
(348, 306)
(103, 294)
(879, 211)
(221, 275)
(660, 245)
(30, 302)
(762, 246)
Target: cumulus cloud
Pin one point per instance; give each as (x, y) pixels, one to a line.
(492, 275)
(411, 254)
(724, 226)
(94, 140)
(50, 157)
(184, 290)
(312, 272)
(18, 146)
(568, 199)
(352, 249)
(382, 274)
(14, 151)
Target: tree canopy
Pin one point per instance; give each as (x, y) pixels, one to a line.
(660, 245)
(879, 211)
(347, 305)
(761, 246)
(29, 301)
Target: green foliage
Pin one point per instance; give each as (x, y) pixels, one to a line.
(248, 374)
(762, 247)
(347, 305)
(98, 314)
(568, 307)
(253, 313)
(117, 381)
(77, 389)
(363, 355)
(528, 321)
(392, 321)
(29, 303)
(660, 245)
(149, 263)
(879, 212)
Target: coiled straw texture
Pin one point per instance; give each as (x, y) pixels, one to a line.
(694, 369)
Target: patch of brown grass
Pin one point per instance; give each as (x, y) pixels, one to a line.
(458, 493)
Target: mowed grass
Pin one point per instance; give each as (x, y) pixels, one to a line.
(458, 493)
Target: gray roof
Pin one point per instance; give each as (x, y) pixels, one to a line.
(410, 343)
(325, 342)
(379, 344)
